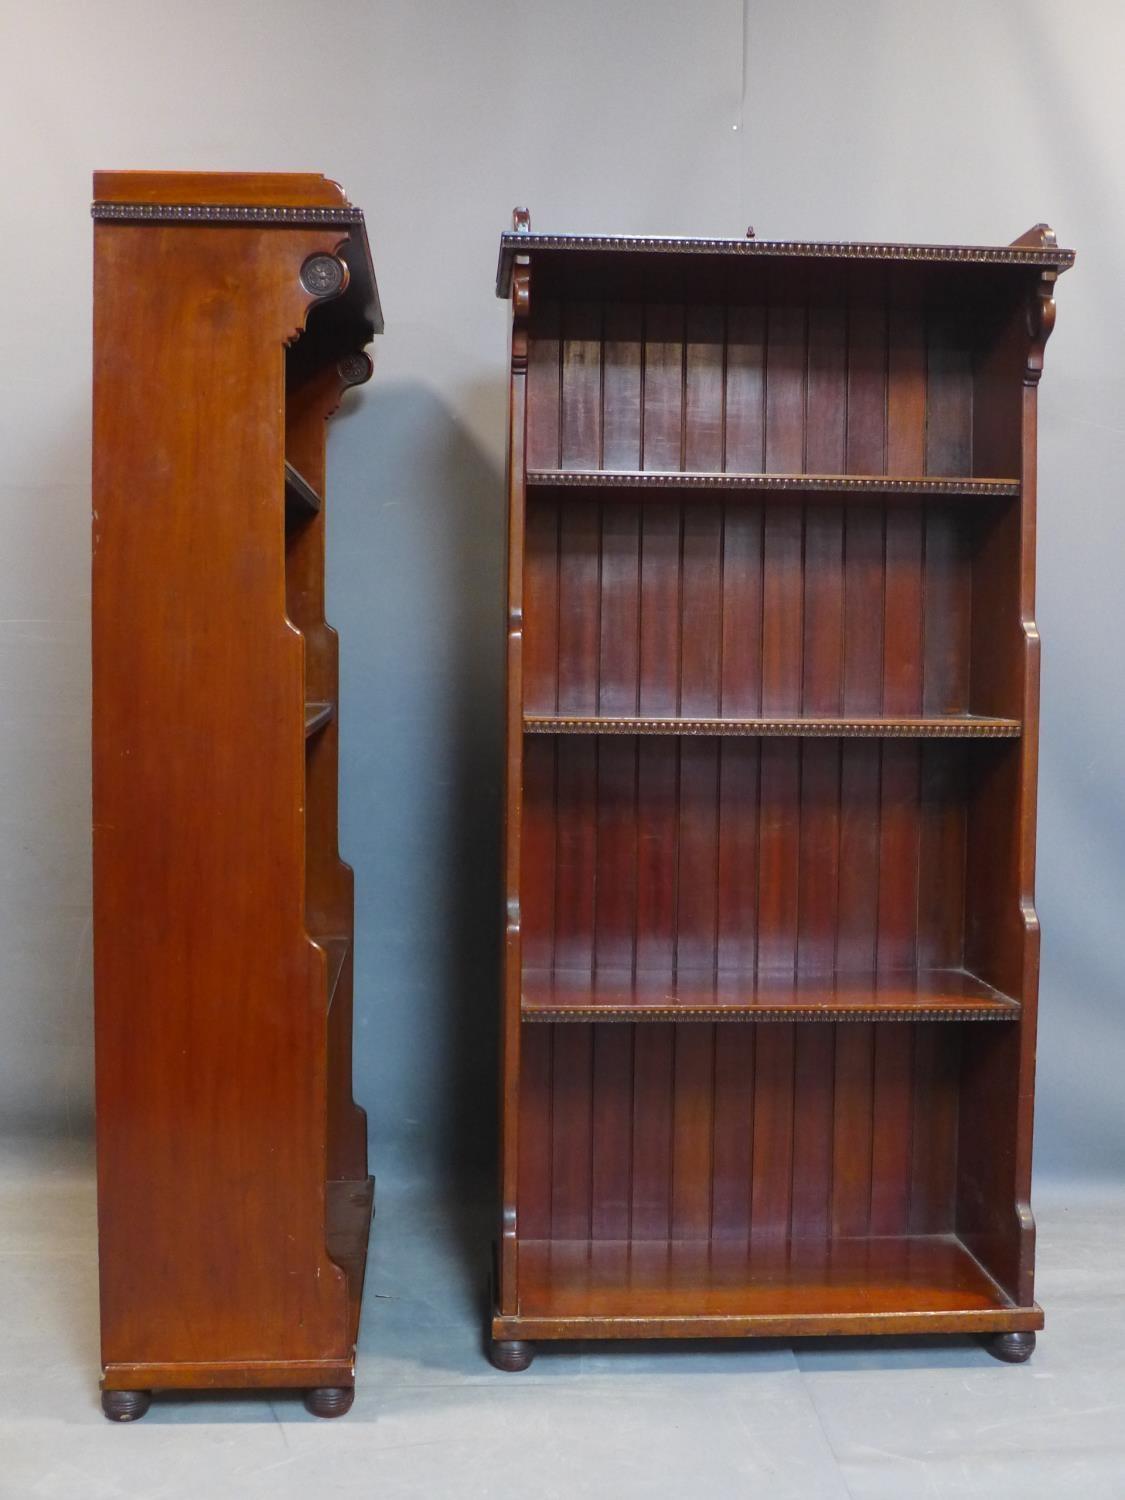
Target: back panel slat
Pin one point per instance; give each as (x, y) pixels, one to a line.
(743, 856)
(863, 379)
(738, 1132)
(581, 403)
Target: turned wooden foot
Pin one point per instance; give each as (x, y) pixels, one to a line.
(1012, 1348)
(329, 1400)
(510, 1354)
(126, 1406)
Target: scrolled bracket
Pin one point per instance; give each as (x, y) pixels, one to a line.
(521, 308)
(1040, 322)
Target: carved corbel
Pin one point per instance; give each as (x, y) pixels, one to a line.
(1040, 322)
(521, 294)
(1040, 302)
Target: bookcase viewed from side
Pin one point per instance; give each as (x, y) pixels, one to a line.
(771, 954)
(230, 315)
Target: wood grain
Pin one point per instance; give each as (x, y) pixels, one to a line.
(777, 774)
(228, 1139)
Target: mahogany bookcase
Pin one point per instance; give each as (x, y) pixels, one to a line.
(771, 956)
(230, 314)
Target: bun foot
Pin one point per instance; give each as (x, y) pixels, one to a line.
(510, 1354)
(1012, 1348)
(329, 1400)
(126, 1406)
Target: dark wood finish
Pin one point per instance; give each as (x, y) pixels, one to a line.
(943, 726)
(301, 500)
(854, 486)
(510, 1354)
(126, 1406)
(772, 726)
(704, 994)
(234, 1200)
(1012, 1348)
(330, 1401)
(1035, 250)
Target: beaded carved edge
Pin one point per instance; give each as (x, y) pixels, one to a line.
(866, 484)
(612, 1013)
(227, 213)
(514, 242)
(1008, 729)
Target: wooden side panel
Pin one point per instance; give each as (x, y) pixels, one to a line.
(201, 954)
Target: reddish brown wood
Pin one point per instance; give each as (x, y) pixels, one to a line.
(622, 994)
(621, 1278)
(772, 737)
(234, 1199)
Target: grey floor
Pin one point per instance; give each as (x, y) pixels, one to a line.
(431, 1418)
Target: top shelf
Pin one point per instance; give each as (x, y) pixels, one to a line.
(855, 486)
(1035, 251)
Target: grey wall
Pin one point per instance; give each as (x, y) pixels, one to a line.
(965, 120)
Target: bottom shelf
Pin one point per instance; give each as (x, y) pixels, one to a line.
(780, 1280)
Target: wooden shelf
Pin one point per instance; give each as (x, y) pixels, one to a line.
(301, 500)
(807, 1285)
(337, 950)
(1033, 251)
(949, 726)
(850, 486)
(317, 715)
(620, 995)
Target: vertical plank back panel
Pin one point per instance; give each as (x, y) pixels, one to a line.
(685, 859)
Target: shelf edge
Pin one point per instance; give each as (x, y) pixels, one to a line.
(852, 484)
(317, 715)
(965, 727)
(301, 500)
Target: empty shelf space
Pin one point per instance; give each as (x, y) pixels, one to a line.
(777, 1277)
(947, 726)
(621, 995)
(853, 486)
(317, 715)
(301, 500)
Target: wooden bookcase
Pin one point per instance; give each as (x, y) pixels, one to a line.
(771, 956)
(230, 314)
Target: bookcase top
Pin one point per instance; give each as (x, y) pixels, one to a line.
(1035, 250)
(269, 200)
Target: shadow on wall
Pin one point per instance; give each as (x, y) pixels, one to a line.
(416, 566)
(46, 1013)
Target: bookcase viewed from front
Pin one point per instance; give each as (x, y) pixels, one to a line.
(231, 313)
(771, 954)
